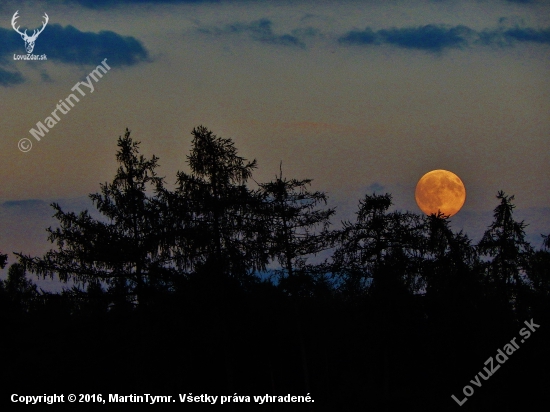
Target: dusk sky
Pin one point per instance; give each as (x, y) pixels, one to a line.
(360, 96)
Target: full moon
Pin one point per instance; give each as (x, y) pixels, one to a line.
(440, 191)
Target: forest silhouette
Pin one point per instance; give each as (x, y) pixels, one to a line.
(210, 288)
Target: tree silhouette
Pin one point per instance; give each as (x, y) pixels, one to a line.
(538, 270)
(126, 250)
(381, 251)
(20, 291)
(292, 218)
(451, 275)
(405, 292)
(222, 233)
(504, 244)
(3, 261)
(450, 257)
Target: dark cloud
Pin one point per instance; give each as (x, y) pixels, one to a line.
(506, 37)
(27, 204)
(434, 38)
(305, 32)
(430, 37)
(11, 43)
(45, 76)
(97, 4)
(493, 37)
(375, 188)
(259, 30)
(366, 36)
(102, 4)
(10, 78)
(72, 46)
(528, 35)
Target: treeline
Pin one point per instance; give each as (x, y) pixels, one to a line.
(173, 294)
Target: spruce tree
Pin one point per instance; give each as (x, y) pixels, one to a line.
(125, 250)
(297, 228)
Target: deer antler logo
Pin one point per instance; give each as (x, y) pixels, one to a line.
(29, 40)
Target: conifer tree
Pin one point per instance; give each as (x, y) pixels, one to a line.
(222, 233)
(538, 271)
(297, 227)
(381, 249)
(19, 290)
(3, 261)
(125, 249)
(505, 245)
(448, 255)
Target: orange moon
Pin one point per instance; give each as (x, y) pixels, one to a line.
(440, 191)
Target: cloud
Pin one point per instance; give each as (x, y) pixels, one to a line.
(102, 4)
(10, 78)
(434, 38)
(95, 4)
(24, 204)
(259, 30)
(528, 35)
(366, 36)
(430, 37)
(11, 42)
(71, 46)
(45, 76)
(507, 37)
(375, 187)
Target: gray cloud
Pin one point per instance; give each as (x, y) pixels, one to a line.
(96, 4)
(10, 78)
(103, 4)
(528, 35)
(430, 37)
(259, 30)
(71, 46)
(375, 188)
(436, 38)
(24, 204)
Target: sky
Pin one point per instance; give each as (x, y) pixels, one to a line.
(360, 96)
